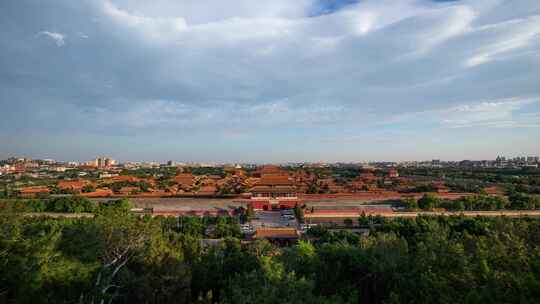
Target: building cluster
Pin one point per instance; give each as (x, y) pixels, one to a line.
(518, 161)
(102, 162)
(48, 168)
(25, 165)
(108, 167)
(499, 162)
(269, 187)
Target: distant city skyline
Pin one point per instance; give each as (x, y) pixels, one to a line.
(105, 161)
(269, 81)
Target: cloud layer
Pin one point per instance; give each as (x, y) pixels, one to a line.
(315, 78)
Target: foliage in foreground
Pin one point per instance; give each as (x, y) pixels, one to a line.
(118, 258)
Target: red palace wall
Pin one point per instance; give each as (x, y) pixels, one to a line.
(266, 205)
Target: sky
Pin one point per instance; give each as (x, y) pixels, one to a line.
(269, 81)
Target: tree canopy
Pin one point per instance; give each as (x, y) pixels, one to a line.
(117, 257)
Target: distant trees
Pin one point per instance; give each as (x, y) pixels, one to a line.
(70, 204)
(410, 203)
(481, 202)
(5, 193)
(88, 188)
(121, 205)
(363, 220)
(422, 188)
(428, 202)
(65, 204)
(116, 186)
(205, 171)
(520, 200)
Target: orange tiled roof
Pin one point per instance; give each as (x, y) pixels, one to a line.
(129, 189)
(275, 189)
(184, 178)
(270, 169)
(276, 233)
(99, 193)
(208, 189)
(493, 190)
(74, 184)
(273, 180)
(34, 190)
(124, 178)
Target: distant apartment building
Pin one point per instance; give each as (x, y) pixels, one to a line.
(107, 175)
(59, 169)
(532, 159)
(103, 162)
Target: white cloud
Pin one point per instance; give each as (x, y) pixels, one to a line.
(487, 112)
(241, 65)
(372, 53)
(153, 113)
(197, 12)
(151, 27)
(511, 35)
(57, 37)
(499, 113)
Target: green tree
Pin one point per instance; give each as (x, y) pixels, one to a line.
(250, 212)
(299, 213)
(428, 202)
(410, 203)
(88, 188)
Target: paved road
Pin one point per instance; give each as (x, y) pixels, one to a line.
(58, 214)
(509, 213)
(272, 219)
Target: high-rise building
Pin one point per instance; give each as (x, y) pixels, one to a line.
(102, 162)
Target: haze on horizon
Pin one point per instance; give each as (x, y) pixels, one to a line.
(269, 81)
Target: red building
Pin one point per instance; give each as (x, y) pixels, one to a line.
(185, 180)
(72, 185)
(393, 173)
(278, 236)
(34, 191)
(275, 190)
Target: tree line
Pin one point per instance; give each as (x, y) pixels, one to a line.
(63, 204)
(481, 202)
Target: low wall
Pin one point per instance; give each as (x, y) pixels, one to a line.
(378, 196)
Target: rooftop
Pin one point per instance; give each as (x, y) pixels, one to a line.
(276, 233)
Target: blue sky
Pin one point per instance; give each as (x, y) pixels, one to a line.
(323, 7)
(269, 81)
